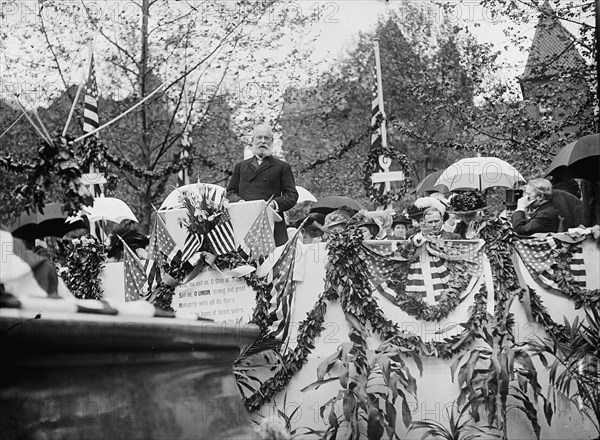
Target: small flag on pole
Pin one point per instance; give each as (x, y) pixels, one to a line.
(191, 246)
(221, 237)
(90, 109)
(283, 291)
(378, 127)
(259, 240)
(135, 277)
(163, 246)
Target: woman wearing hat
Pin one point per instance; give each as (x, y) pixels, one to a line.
(401, 228)
(468, 208)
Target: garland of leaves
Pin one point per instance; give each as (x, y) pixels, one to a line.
(337, 154)
(345, 281)
(372, 164)
(85, 262)
(449, 298)
(55, 163)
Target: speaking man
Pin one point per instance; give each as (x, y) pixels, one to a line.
(263, 176)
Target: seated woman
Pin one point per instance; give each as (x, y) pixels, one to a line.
(535, 212)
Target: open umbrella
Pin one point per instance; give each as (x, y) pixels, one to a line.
(172, 200)
(427, 185)
(480, 173)
(304, 195)
(109, 208)
(578, 159)
(51, 221)
(327, 204)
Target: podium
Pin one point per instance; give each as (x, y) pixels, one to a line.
(242, 216)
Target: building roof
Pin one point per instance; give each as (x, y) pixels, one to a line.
(553, 48)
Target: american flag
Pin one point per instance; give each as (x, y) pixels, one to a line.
(220, 237)
(428, 276)
(161, 248)
(90, 109)
(135, 278)
(468, 251)
(538, 256)
(283, 291)
(191, 245)
(378, 128)
(259, 240)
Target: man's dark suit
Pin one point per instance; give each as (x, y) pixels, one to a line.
(543, 219)
(272, 178)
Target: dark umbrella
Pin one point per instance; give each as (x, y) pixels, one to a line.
(50, 222)
(427, 185)
(579, 159)
(328, 204)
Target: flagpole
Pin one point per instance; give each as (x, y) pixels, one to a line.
(40, 134)
(72, 111)
(159, 88)
(388, 186)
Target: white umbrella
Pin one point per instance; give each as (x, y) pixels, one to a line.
(304, 195)
(172, 200)
(109, 208)
(480, 173)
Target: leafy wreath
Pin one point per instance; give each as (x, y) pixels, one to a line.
(449, 298)
(373, 163)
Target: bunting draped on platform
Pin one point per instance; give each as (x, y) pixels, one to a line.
(539, 256)
(428, 282)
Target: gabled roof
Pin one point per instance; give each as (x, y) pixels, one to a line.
(553, 48)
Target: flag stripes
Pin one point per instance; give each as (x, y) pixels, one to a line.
(440, 275)
(90, 108)
(377, 129)
(221, 237)
(283, 291)
(538, 256)
(191, 246)
(428, 275)
(164, 246)
(259, 241)
(135, 277)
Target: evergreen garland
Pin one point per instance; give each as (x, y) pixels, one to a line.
(85, 262)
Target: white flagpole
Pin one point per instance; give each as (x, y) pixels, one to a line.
(380, 92)
(388, 186)
(158, 89)
(31, 122)
(84, 78)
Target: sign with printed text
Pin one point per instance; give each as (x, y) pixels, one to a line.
(212, 295)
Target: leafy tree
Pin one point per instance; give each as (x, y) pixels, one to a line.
(195, 49)
(423, 67)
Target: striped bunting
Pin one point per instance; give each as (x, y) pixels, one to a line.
(430, 267)
(221, 238)
(283, 291)
(428, 275)
(90, 109)
(538, 256)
